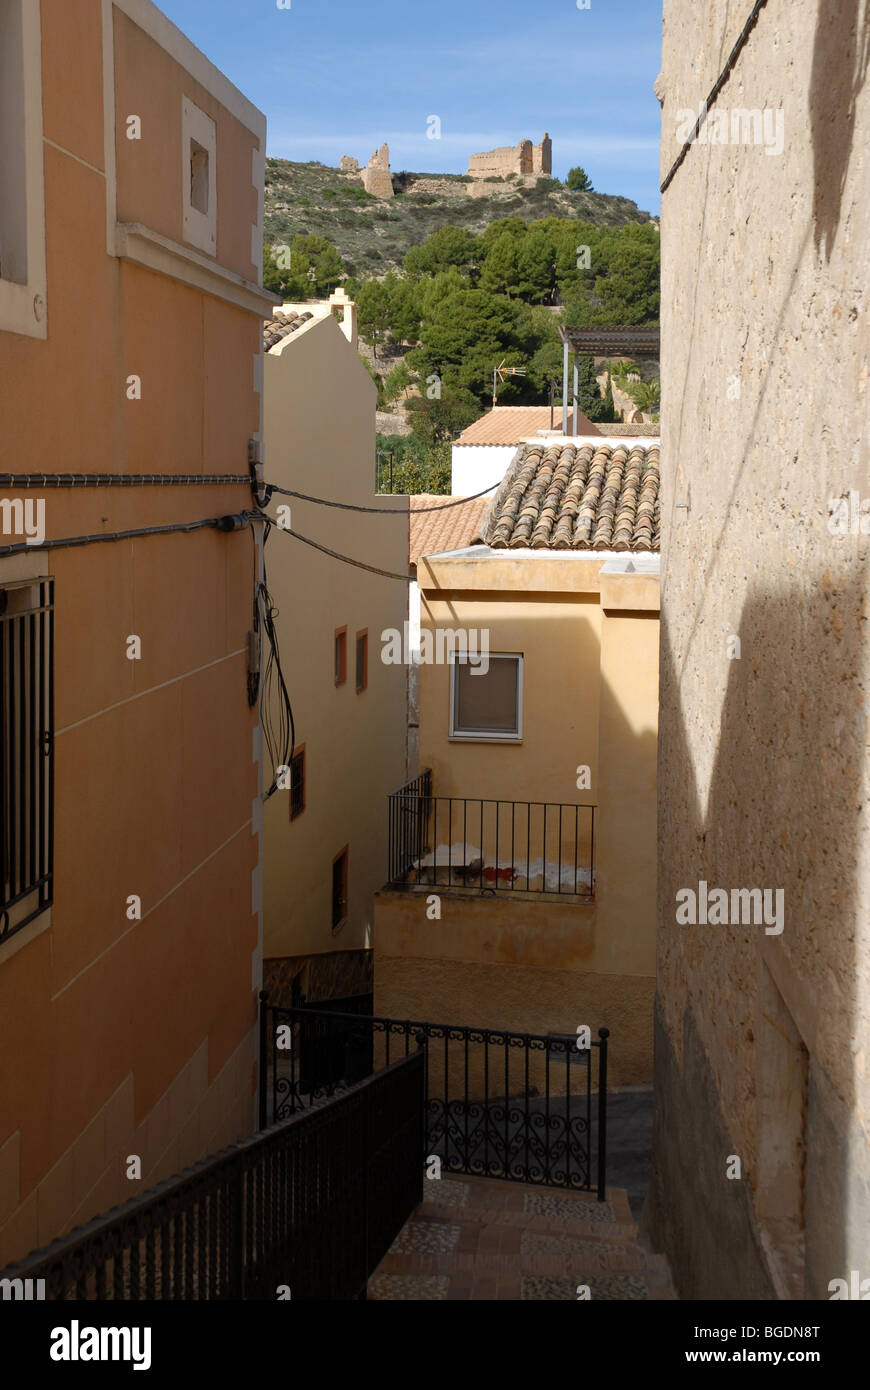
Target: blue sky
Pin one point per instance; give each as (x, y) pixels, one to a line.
(341, 76)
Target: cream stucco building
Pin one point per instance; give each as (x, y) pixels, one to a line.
(539, 836)
(325, 835)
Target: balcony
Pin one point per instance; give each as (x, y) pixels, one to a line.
(492, 847)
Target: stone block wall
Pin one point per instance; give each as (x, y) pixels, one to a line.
(763, 1039)
(522, 159)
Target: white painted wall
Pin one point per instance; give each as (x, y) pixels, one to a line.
(478, 466)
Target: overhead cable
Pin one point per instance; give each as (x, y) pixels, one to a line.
(716, 89)
(216, 523)
(40, 480)
(379, 511)
(336, 555)
(276, 711)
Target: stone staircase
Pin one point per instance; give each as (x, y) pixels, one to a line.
(475, 1238)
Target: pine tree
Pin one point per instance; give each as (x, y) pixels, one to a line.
(588, 393)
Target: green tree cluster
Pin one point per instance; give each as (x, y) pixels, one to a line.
(309, 268)
(418, 465)
(579, 181)
(465, 303)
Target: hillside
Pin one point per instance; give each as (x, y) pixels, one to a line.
(372, 235)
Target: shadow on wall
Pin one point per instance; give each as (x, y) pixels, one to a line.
(741, 1069)
(841, 53)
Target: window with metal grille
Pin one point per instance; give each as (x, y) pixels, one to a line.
(339, 888)
(26, 752)
(297, 783)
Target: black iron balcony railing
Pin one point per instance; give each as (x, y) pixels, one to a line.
(311, 1205)
(486, 845)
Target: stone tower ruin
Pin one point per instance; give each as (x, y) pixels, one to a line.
(377, 178)
(525, 160)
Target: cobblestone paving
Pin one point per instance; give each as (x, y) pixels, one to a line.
(479, 1239)
(617, 1286)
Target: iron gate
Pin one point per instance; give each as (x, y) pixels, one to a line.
(525, 1107)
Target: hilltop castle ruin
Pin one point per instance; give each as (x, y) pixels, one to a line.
(376, 177)
(523, 159)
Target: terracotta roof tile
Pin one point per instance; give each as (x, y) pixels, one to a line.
(578, 497)
(511, 424)
(452, 528)
(282, 325)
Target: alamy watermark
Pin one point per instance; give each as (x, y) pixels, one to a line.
(467, 646)
(738, 126)
(77, 1343)
(23, 518)
(742, 907)
(848, 515)
(25, 1289)
(854, 1288)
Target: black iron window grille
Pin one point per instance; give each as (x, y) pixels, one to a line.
(297, 784)
(26, 752)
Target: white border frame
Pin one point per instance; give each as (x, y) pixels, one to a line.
(486, 735)
(23, 307)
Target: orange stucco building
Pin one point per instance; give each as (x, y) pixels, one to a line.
(130, 344)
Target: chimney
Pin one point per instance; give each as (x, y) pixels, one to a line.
(340, 298)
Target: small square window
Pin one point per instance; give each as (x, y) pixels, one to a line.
(198, 177)
(340, 655)
(199, 156)
(362, 660)
(339, 889)
(487, 705)
(297, 783)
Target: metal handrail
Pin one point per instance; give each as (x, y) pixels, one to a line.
(259, 1214)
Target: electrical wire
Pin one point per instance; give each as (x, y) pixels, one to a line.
(716, 89)
(336, 555)
(93, 480)
(378, 511)
(40, 480)
(279, 731)
(217, 523)
(276, 710)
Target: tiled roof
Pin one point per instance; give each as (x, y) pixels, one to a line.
(282, 325)
(578, 497)
(451, 528)
(511, 424)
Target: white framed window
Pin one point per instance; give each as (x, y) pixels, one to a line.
(199, 177)
(22, 183)
(487, 705)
